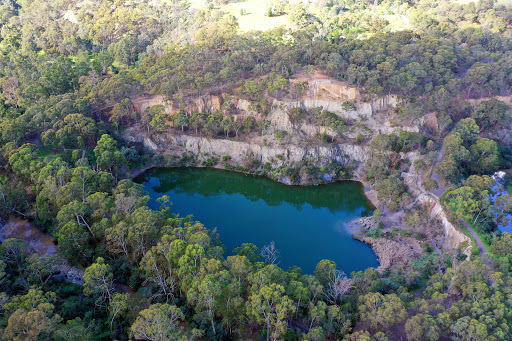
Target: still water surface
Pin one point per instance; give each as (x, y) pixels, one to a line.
(307, 223)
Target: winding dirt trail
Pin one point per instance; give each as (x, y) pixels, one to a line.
(438, 192)
(432, 199)
(483, 250)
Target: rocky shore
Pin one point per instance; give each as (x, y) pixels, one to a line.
(362, 225)
(392, 252)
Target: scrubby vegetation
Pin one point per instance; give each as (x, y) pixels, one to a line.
(69, 71)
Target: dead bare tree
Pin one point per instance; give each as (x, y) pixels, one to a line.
(270, 253)
(339, 285)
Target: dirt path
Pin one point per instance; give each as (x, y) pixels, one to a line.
(440, 156)
(483, 250)
(436, 247)
(433, 199)
(438, 192)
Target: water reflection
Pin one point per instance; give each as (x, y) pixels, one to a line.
(498, 190)
(348, 195)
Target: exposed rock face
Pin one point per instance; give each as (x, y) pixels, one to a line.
(199, 104)
(452, 236)
(280, 119)
(322, 92)
(212, 103)
(370, 122)
(370, 117)
(240, 151)
(431, 121)
(243, 104)
(329, 89)
(149, 144)
(312, 130)
(331, 94)
(363, 109)
(140, 104)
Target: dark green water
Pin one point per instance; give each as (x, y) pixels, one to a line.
(307, 224)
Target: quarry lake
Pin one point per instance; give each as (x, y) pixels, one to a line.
(307, 223)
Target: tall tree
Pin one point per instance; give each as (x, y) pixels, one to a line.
(158, 323)
(98, 281)
(272, 307)
(108, 157)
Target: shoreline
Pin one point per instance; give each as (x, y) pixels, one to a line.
(391, 252)
(351, 226)
(360, 226)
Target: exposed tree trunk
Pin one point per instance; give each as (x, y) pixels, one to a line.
(213, 327)
(84, 223)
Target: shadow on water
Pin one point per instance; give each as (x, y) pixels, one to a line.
(307, 223)
(346, 195)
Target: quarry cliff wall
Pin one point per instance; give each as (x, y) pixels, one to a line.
(368, 117)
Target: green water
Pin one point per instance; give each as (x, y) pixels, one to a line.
(307, 223)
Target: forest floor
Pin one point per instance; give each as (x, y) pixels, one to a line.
(43, 244)
(18, 228)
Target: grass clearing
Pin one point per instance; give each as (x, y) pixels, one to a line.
(197, 4)
(65, 155)
(43, 152)
(254, 17)
(507, 3)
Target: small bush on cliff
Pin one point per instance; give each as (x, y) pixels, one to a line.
(326, 138)
(348, 106)
(280, 134)
(331, 120)
(309, 174)
(263, 126)
(296, 115)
